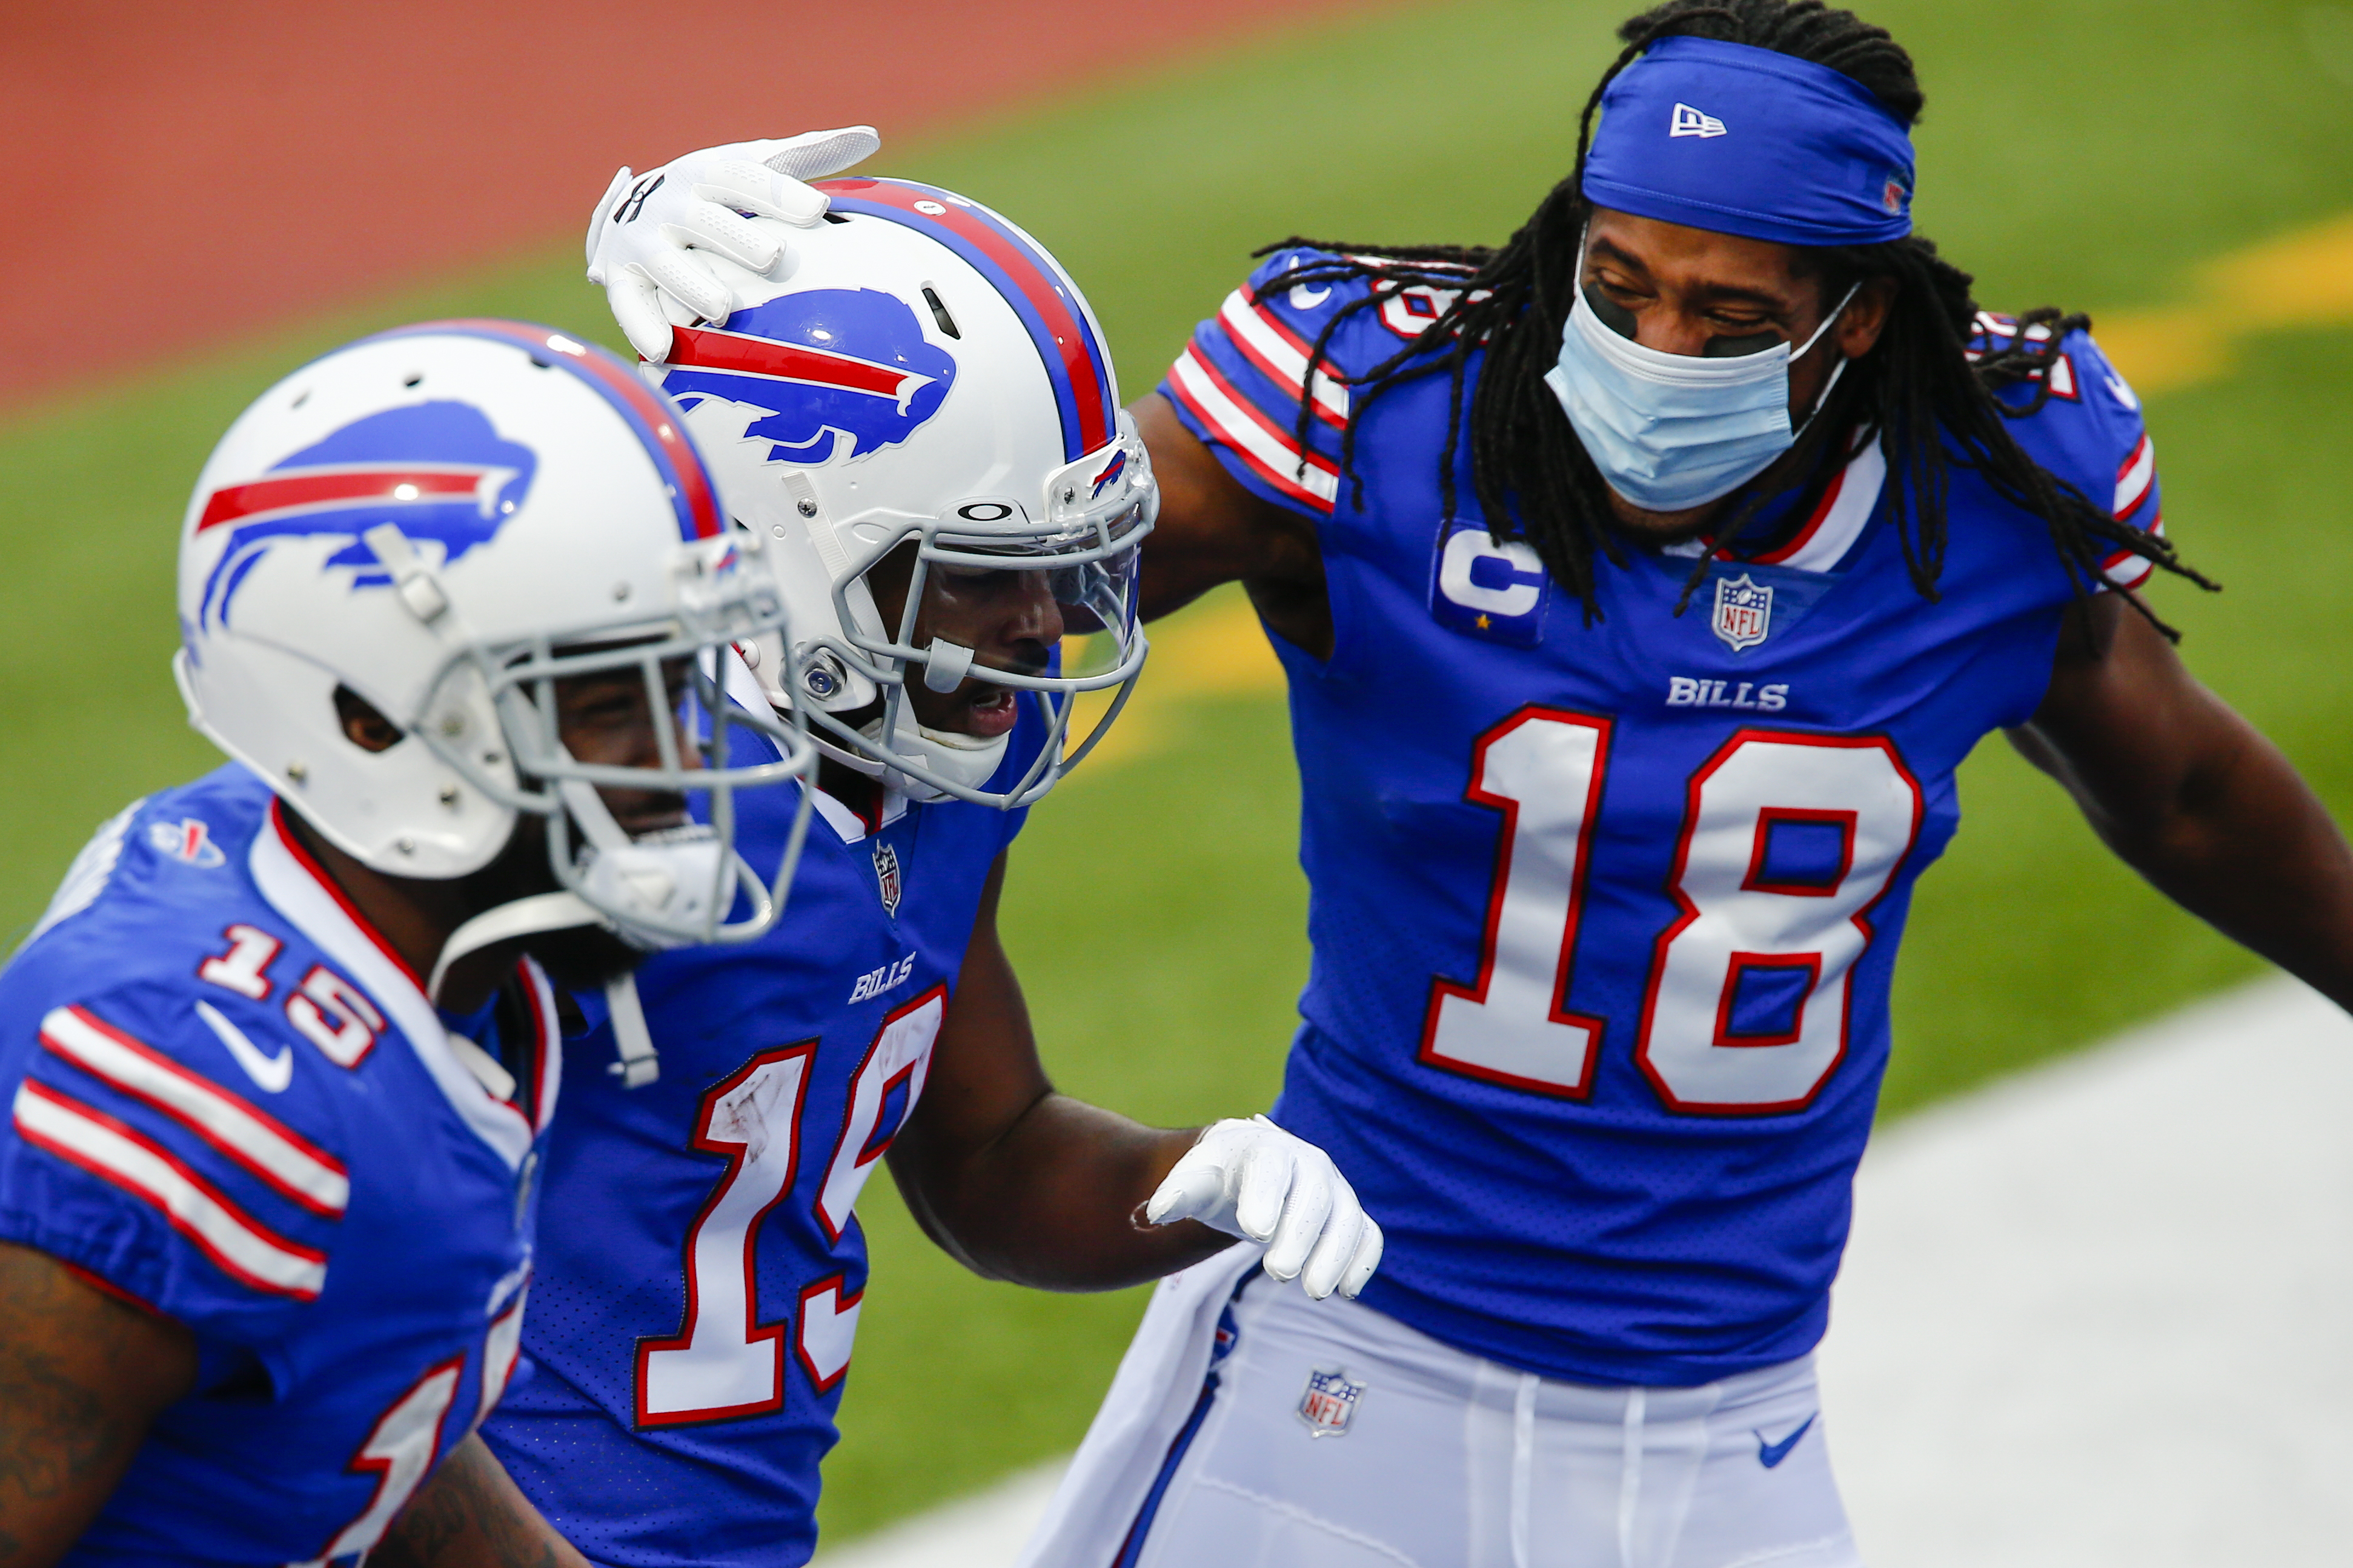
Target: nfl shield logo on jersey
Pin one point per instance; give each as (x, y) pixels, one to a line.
(886, 876)
(189, 840)
(1744, 611)
(1329, 1403)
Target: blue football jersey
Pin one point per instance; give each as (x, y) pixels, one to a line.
(231, 1102)
(1604, 914)
(701, 1266)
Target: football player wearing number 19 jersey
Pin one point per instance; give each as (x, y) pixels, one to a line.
(914, 412)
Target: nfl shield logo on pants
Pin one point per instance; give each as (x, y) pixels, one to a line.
(1329, 1401)
(1744, 611)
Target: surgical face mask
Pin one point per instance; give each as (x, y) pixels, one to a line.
(1669, 432)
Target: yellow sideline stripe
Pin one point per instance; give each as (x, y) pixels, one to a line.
(1211, 649)
(2303, 278)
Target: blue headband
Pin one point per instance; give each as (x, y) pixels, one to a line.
(1747, 140)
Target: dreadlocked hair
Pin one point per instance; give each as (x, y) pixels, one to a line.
(1919, 386)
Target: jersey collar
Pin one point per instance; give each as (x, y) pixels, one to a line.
(300, 889)
(1830, 531)
(847, 825)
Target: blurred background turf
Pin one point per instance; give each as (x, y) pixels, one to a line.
(2087, 152)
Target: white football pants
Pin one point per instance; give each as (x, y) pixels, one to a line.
(1449, 1461)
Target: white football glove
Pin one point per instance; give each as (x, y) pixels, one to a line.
(653, 236)
(1253, 1180)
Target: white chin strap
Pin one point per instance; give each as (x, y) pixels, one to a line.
(967, 760)
(633, 1042)
(524, 917)
(669, 880)
(651, 887)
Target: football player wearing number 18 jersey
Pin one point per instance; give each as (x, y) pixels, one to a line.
(1641, 586)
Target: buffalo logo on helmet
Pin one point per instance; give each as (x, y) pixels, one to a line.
(436, 471)
(830, 374)
(1110, 471)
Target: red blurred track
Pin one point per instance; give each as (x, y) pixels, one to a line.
(174, 174)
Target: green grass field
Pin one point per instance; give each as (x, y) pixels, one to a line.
(2090, 153)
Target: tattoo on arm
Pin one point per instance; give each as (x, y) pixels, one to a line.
(469, 1514)
(81, 1376)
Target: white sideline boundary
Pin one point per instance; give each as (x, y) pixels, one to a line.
(2097, 1314)
(983, 1530)
(2102, 1313)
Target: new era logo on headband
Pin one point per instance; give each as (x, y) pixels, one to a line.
(1689, 122)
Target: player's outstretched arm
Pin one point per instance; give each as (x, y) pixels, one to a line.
(1211, 530)
(1019, 1183)
(81, 1376)
(2192, 797)
(469, 1514)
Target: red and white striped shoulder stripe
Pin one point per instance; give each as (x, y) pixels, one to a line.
(105, 1146)
(108, 1147)
(2135, 476)
(1281, 355)
(2136, 482)
(1269, 448)
(298, 1169)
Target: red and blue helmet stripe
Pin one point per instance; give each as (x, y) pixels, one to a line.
(655, 422)
(1041, 294)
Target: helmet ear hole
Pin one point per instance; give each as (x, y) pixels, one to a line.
(363, 724)
(939, 313)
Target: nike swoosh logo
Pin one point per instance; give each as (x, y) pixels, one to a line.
(2124, 394)
(1303, 298)
(1771, 1454)
(272, 1073)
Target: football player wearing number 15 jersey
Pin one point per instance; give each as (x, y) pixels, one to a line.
(278, 1073)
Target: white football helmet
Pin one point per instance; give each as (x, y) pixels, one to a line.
(916, 372)
(446, 520)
